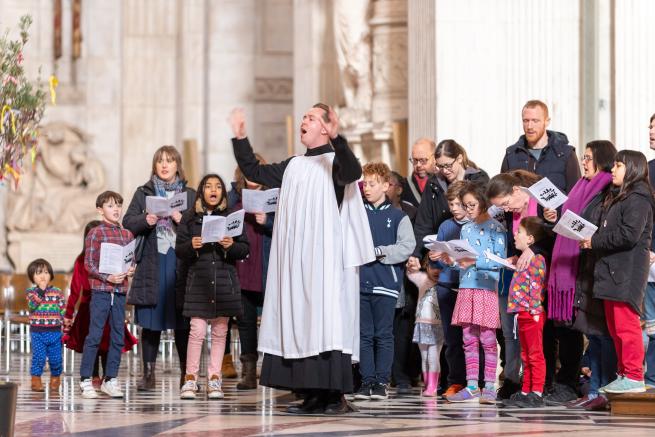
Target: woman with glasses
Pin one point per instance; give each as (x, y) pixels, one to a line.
(570, 284)
(505, 192)
(451, 164)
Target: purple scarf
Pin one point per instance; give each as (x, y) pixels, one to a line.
(564, 262)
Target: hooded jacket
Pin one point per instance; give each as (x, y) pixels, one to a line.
(622, 245)
(212, 286)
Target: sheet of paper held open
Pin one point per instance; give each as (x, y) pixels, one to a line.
(163, 207)
(547, 194)
(216, 227)
(116, 259)
(574, 227)
(260, 201)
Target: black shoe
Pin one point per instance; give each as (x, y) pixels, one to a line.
(337, 406)
(364, 392)
(379, 392)
(403, 389)
(560, 395)
(508, 389)
(313, 404)
(531, 400)
(514, 399)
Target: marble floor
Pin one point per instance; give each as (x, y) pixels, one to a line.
(262, 412)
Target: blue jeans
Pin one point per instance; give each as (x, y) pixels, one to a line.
(602, 362)
(102, 310)
(46, 344)
(376, 337)
(512, 345)
(649, 317)
(452, 335)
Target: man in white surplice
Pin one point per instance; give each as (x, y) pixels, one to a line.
(309, 331)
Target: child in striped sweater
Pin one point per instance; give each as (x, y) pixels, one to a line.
(46, 304)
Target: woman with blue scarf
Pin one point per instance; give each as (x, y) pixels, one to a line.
(153, 291)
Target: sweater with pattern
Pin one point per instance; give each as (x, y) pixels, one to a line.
(47, 308)
(488, 235)
(526, 291)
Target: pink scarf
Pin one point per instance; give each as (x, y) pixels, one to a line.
(566, 252)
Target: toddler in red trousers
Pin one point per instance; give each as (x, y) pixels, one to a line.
(525, 300)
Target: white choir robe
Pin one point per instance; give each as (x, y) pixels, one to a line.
(311, 303)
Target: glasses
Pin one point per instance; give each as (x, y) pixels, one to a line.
(470, 206)
(421, 161)
(448, 166)
(505, 204)
(587, 158)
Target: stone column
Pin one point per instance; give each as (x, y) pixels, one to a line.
(596, 120)
(491, 57)
(231, 81)
(634, 88)
(389, 29)
(150, 75)
(315, 69)
(422, 71)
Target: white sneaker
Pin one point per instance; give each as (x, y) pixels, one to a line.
(88, 392)
(214, 388)
(189, 388)
(112, 388)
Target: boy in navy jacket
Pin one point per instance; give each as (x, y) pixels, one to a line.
(380, 281)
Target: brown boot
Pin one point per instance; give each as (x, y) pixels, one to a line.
(55, 382)
(227, 369)
(37, 384)
(248, 372)
(147, 382)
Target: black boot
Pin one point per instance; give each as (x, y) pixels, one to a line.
(248, 372)
(314, 403)
(182, 373)
(147, 382)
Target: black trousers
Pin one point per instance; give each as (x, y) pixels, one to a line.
(405, 364)
(568, 344)
(150, 345)
(247, 323)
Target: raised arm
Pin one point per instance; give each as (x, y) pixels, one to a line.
(266, 174)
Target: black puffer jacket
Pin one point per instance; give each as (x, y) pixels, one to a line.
(145, 285)
(590, 314)
(212, 287)
(433, 209)
(622, 245)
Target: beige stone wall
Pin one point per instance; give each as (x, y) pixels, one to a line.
(155, 72)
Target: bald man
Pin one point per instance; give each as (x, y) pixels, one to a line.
(422, 160)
